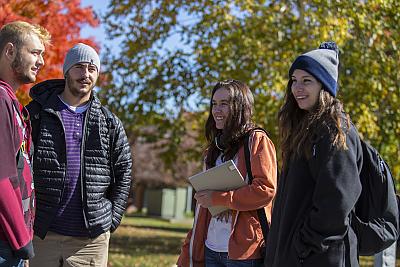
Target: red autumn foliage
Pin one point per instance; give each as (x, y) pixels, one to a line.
(63, 19)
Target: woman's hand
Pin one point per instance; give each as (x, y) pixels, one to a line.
(224, 216)
(203, 198)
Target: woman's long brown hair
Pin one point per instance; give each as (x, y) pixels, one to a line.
(298, 128)
(239, 121)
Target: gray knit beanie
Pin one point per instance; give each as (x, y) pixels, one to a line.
(81, 53)
(322, 63)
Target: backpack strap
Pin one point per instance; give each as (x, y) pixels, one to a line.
(19, 156)
(110, 120)
(260, 212)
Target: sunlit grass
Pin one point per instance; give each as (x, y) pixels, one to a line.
(150, 242)
(369, 262)
(366, 261)
(146, 242)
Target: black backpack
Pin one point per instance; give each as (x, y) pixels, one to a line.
(376, 216)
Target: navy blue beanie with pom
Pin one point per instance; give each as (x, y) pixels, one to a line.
(322, 63)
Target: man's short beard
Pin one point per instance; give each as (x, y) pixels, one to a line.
(17, 68)
(69, 81)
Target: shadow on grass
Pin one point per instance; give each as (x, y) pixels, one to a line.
(166, 228)
(145, 246)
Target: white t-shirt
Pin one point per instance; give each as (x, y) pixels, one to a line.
(79, 109)
(218, 231)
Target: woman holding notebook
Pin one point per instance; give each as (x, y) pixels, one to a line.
(233, 237)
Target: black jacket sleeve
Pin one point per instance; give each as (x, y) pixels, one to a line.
(122, 166)
(337, 188)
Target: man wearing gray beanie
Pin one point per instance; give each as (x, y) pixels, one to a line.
(82, 166)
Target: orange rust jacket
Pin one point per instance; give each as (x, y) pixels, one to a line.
(246, 237)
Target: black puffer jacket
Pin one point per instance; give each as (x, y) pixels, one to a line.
(104, 198)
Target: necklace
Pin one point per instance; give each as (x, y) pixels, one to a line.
(216, 144)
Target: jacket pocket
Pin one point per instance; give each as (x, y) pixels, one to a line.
(333, 257)
(253, 231)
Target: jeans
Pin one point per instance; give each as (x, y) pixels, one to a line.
(220, 259)
(386, 258)
(7, 258)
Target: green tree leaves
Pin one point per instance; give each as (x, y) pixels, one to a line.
(256, 42)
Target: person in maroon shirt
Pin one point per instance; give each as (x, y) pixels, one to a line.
(21, 57)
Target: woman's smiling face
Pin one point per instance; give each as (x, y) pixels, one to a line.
(305, 89)
(220, 107)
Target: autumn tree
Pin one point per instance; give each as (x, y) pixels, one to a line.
(254, 41)
(63, 19)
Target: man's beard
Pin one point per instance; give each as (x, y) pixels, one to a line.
(18, 69)
(75, 92)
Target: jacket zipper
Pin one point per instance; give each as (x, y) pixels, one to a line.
(83, 191)
(58, 115)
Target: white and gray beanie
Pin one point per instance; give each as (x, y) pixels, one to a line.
(81, 53)
(322, 63)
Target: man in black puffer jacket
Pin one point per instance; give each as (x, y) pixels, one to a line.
(82, 166)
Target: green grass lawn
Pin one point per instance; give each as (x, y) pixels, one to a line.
(146, 242)
(150, 242)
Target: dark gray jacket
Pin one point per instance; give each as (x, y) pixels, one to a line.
(311, 215)
(103, 198)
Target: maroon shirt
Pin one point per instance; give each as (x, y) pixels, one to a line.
(16, 190)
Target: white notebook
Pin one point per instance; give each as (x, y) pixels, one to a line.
(223, 177)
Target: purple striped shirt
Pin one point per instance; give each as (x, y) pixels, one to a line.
(69, 217)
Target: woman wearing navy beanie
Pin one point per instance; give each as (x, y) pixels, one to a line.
(319, 185)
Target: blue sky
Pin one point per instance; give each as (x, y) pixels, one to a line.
(99, 6)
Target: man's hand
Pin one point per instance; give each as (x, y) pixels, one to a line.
(204, 198)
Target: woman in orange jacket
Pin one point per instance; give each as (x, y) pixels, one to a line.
(234, 237)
